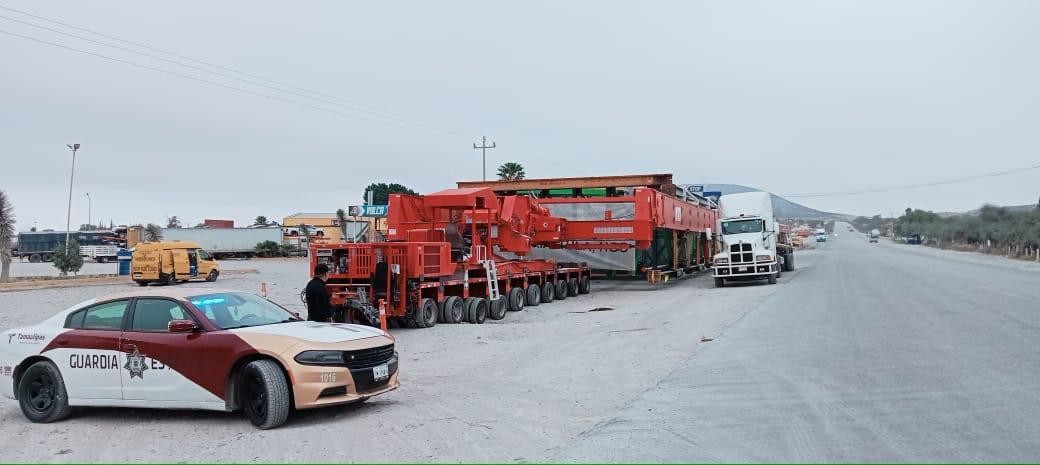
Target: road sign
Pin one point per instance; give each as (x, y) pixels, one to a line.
(713, 195)
(697, 188)
(374, 211)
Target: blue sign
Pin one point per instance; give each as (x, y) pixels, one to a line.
(713, 195)
(368, 210)
(699, 189)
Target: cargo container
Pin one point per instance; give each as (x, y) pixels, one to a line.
(39, 246)
(225, 242)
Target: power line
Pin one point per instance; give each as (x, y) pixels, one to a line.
(384, 113)
(916, 186)
(214, 83)
(323, 97)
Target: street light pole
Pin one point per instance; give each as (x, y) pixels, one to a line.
(68, 212)
(90, 210)
(483, 154)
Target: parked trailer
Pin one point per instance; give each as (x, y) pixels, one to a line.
(225, 242)
(39, 246)
(679, 229)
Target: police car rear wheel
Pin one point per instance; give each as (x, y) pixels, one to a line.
(42, 395)
(264, 394)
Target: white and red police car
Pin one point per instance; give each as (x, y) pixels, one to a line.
(185, 348)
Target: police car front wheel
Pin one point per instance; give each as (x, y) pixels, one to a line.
(41, 393)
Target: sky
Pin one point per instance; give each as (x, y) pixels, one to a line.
(790, 97)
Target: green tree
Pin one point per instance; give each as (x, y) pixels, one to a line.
(68, 259)
(381, 192)
(6, 237)
(268, 249)
(260, 221)
(511, 171)
(173, 222)
(152, 233)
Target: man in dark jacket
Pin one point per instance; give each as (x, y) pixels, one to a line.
(319, 307)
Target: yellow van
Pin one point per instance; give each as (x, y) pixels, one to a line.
(171, 262)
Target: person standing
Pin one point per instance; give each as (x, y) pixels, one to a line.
(319, 306)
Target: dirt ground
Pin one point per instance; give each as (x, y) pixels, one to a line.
(509, 390)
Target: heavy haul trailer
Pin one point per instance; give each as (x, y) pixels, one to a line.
(463, 255)
(679, 234)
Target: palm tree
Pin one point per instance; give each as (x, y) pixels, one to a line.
(6, 237)
(511, 171)
(152, 233)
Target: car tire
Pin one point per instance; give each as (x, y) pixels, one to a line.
(41, 393)
(534, 295)
(426, 314)
(561, 288)
(212, 276)
(584, 285)
(517, 298)
(548, 292)
(141, 283)
(497, 308)
(264, 394)
(572, 287)
(719, 282)
(171, 279)
(454, 310)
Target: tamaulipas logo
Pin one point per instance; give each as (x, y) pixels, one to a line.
(31, 338)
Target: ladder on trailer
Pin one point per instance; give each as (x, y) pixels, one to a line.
(492, 276)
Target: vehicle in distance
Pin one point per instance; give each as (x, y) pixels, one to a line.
(821, 235)
(192, 349)
(171, 262)
(873, 235)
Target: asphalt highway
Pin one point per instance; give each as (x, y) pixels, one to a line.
(872, 352)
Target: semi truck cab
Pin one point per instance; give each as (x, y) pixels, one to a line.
(754, 245)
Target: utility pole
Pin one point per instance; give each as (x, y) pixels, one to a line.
(90, 209)
(483, 154)
(68, 213)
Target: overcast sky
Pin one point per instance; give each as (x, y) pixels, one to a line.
(790, 97)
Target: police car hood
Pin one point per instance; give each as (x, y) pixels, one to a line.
(310, 331)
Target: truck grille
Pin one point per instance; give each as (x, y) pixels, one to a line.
(368, 358)
(741, 253)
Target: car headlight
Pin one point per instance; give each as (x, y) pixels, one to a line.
(320, 357)
(722, 261)
(764, 258)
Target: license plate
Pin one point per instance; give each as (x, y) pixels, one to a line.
(381, 372)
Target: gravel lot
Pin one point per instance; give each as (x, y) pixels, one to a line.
(511, 390)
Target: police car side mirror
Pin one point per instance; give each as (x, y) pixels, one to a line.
(181, 326)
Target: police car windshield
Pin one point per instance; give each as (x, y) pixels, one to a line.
(229, 310)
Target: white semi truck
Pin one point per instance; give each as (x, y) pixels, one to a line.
(752, 243)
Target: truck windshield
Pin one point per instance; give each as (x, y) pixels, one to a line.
(741, 226)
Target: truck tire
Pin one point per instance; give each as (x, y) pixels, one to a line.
(561, 288)
(35, 258)
(497, 308)
(453, 309)
(789, 262)
(426, 315)
(517, 298)
(548, 292)
(719, 282)
(48, 257)
(534, 295)
(584, 285)
(41, 393)
(264, 394)
(141, 283)
(477, 310)
(772, 279)
(572, 287)
(212, 276)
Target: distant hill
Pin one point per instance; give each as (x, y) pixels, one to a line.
(782, 207)
(1014, 208)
